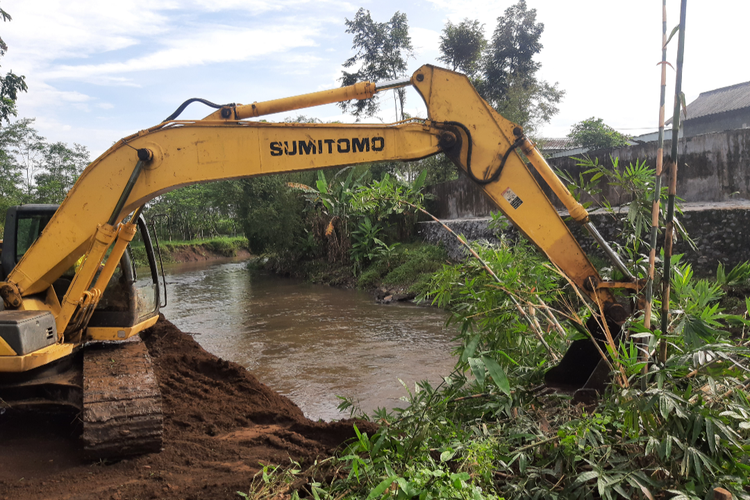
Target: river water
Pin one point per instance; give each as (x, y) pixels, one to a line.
(309, 342)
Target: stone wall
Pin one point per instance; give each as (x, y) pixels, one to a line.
(720, 230)
(459, 199)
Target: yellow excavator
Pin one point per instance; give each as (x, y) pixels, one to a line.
(73, 306)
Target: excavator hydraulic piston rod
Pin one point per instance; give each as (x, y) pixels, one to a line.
(392, 84)
(361, 90)
(128, 187)
(609, 251)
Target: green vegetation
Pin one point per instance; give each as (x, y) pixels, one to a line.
(382, 52)
(509, 80)
(33, 170)
(491, 430)
(595, 134)
(409, 268)
(488, 431)
(351, 228)
(357, 235)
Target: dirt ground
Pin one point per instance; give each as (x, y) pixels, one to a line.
(220, 424)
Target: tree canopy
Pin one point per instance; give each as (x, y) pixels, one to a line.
(382, 52)
(595, 134)
(462, 45)
(33, 170)
(10, 84)
(504, 70)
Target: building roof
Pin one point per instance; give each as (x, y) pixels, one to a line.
(720, 100)
(554, 144)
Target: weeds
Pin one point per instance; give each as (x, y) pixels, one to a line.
(408, 265)
(490, 430)
(687, 432)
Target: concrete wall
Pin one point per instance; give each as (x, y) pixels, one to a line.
(712, 167)
(720, 231)
(459, 199)
(729, 120)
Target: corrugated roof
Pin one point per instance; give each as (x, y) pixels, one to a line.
(557, 143)
(720, 101)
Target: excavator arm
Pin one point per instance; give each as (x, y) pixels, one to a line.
(224, 145)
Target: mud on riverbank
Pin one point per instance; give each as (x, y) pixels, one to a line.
(220, 425)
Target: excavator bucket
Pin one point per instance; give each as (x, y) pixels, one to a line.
(583, 371)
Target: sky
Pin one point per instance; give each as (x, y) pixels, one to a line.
(100, 70)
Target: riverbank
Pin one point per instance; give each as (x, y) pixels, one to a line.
(221, 425)
(400, 274)
(175, 252)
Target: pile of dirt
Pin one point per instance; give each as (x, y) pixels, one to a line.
(199, 253)
(220, 425)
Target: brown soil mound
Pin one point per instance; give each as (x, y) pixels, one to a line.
(220, 425)
(199, 253)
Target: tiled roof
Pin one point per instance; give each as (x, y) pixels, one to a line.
(720, 101)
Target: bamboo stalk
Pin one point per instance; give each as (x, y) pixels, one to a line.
(538, 328)
(656, 202)
(553, 321)
(672, 187)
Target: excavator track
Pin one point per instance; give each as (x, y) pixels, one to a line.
(122, 413)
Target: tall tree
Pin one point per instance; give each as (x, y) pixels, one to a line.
(11, 178)
(595, 134)
(26, 147)
(382, 52)
(61, 167)
(10, 84)
(34, 171)
(271, 213)
(509, 81)
(462, 45)
(198, 211)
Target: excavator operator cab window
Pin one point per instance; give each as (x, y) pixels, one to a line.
(23, 225)
(29, 227)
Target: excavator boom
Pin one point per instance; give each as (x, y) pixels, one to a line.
(98, 215)
(459, 122)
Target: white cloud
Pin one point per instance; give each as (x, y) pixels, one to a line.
(45, 30)
(215, 44)
(425, 43)
(48, 96)
(260, 6)
(85, 59)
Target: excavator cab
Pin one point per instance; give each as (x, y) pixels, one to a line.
(125, 302)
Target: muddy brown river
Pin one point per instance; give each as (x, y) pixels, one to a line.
(309, 342)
